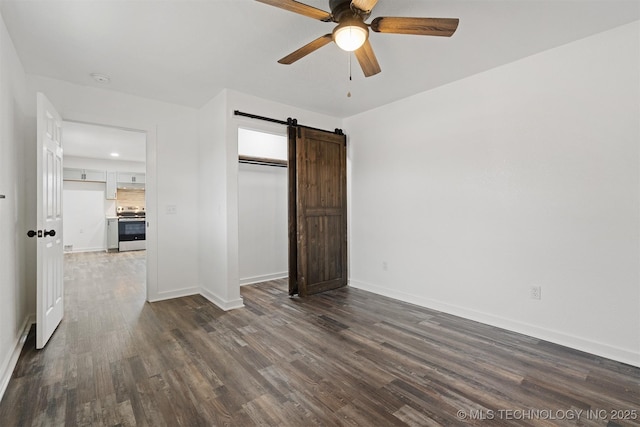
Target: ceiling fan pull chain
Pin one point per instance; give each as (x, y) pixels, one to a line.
(350, 79)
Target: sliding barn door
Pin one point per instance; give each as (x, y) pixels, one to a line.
(317, 211)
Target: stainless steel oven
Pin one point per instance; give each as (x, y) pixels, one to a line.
(131, 230)
(131, 234)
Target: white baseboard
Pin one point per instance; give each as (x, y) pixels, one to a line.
(81, 250)
(161, 296)
(10, 363)
(263, 278)
(220, 302)
(557, 337)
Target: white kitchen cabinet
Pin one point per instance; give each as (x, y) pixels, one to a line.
(69, 174)
(73, 174)
(112, 186)
(112, 234)
(95, 175)
(131, 178)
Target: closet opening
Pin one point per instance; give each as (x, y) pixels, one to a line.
(262, 206)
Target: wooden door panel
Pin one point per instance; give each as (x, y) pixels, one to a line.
(324, 252)
(320, 211)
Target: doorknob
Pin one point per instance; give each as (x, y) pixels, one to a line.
(33, 233)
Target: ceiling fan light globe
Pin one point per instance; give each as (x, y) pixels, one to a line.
(350, 37)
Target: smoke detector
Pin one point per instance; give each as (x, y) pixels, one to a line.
(101, 78)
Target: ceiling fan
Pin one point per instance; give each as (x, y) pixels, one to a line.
(352, 33)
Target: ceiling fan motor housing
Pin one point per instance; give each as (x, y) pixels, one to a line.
(341, 9)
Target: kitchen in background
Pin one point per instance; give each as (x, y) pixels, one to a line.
(103, 189)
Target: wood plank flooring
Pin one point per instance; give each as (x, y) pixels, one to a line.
(346, 357)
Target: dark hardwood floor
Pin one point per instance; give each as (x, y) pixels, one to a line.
(346, 357)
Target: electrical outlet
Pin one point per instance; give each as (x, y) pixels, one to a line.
(535, 292)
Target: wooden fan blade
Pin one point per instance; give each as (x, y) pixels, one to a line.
(301, 8)
(306, 49)
(367, 60)
(364, 5)
(444, 27)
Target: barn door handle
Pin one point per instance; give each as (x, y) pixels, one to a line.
(51, 233)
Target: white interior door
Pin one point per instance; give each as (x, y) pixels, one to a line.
(50, 276)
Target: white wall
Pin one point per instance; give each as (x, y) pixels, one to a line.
(15, 306)
(524, 175)
(172, 174)
(262, 223)
(263, 145)
(84, 218)
(213, 253)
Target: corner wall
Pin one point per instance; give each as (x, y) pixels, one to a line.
(216, 276)
(218, 153)
(466, 196)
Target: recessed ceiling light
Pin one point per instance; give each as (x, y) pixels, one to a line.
(115, 155)
(101, 78)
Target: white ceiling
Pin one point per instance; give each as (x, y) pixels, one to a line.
(98, 142)
(186, 52)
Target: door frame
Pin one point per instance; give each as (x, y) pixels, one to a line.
(239, 122)
(110, 160)
(151, 192)
(275, 275)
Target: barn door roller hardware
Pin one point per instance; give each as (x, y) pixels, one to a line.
(288, 122)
